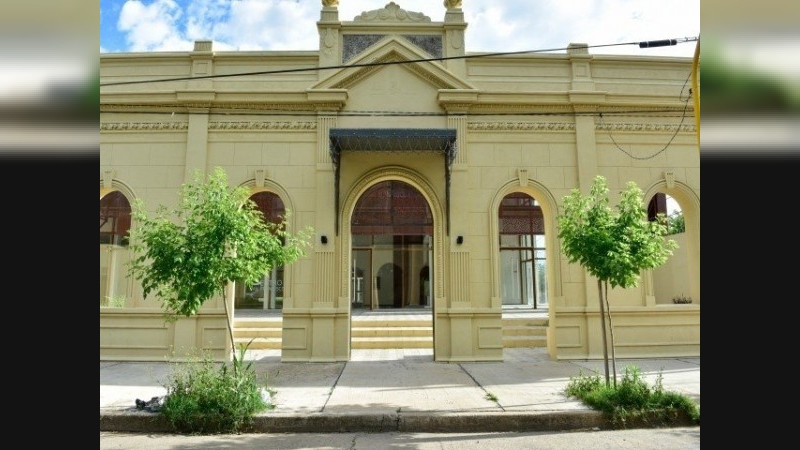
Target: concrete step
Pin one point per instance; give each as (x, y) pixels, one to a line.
(524, 341)
(389, 333)
(392, 331)
(384, 343)
(269, 322)
(524, 331)
(257, 332)
(533, 322)
(259, 343)
(392, 323)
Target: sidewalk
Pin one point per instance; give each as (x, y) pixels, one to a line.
(400, 390)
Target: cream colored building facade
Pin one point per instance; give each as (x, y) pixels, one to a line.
(393, 110)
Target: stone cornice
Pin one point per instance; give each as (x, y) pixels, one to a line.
(216, 106)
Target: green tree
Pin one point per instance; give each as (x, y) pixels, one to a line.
(676, 223)
(216, 236)
(613, 247)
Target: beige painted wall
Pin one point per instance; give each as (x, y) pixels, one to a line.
(525, 123)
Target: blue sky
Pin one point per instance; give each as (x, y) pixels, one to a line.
(494, 25)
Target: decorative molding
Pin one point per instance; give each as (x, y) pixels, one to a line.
(455, 108)
(428, 76)
(472, 126)
(392, 12)
(391, 57)
(562, 126)
(260, 125)
(644, 127)
(181, 126)
(353, 79)
(325, 278)
(260, 174)
(522, 175)
(328, 39)
(459, 278)
(520, 126)
(669, 177)
(108, 178)
(144, 126)
(455, 38)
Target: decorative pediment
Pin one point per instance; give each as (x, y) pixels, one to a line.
(393, 50)
(392, 12)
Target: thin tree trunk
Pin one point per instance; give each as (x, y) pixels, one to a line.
(611, 330)
(603, 326)
(228, 323)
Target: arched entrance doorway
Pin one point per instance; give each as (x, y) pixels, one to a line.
(392, 229)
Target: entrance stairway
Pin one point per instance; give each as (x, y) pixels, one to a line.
(265, 332)
(389, 331)
(525, 332)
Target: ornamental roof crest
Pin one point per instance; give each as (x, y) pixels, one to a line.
(391, 13)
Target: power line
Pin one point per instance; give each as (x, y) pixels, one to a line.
(641, 44)
(683, 116)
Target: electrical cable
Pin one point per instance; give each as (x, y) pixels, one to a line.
(386, 63)
(683, 117)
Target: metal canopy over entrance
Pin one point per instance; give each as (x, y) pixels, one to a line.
(439, 140)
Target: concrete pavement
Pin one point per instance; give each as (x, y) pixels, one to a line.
(401, 390)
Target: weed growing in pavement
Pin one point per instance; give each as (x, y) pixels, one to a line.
(491, 397)
(205, 397)
(632, 398)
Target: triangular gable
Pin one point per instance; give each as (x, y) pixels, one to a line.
(393, 50)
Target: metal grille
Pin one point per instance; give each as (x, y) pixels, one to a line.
(392, 207)
(378, 140)
(519, 214)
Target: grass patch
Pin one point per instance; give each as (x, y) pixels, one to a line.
(206, 397)
(632, 399)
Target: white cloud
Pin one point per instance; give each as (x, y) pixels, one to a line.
(508, 25)
(153, 27)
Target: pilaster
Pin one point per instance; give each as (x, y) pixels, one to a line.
(584, 99)
(198, 97)
(454, 27)
(330, 41)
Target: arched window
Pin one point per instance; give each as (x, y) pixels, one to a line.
(268, 292)
(115, 219)
(523, 280)
(115, 223)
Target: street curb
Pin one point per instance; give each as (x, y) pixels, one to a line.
(141, 421)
